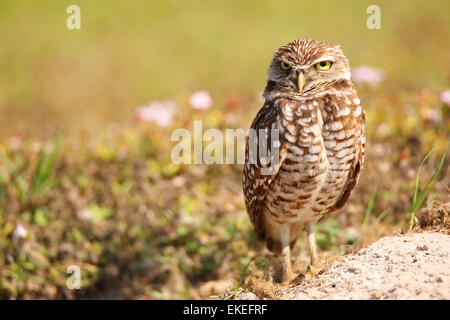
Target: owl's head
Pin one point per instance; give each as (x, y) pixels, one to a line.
(305, 67)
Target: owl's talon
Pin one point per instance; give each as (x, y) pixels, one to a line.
(298, 279)
(312, 271)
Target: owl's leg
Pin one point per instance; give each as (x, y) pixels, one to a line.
(312, 247)
(286, 254)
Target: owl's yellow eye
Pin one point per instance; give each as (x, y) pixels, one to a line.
(284, 66)
(323, 65)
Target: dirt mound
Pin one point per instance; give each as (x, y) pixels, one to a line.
(435, 217)
(411, 266)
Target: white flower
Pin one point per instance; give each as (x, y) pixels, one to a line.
(445, 97)
(85, 214)
(367, 75)
(160, 112)
(200, 100)
(178, 181)
(19, 231)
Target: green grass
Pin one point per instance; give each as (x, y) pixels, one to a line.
(41, 178)
(142, 231)
(370, 207)
(14, 175)
(328, 233)
(419, 198)
(45, 166)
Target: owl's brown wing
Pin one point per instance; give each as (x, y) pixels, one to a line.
(357, 165)
(258, 172)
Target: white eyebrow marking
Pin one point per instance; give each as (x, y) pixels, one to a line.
(324, 58)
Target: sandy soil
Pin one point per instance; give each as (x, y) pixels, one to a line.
(411, 266)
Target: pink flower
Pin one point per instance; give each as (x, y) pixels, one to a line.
(200, 100)
(368, 75)
(16, 143)
(445, 97)
(19, 231)
(161, 112)
(433, 115)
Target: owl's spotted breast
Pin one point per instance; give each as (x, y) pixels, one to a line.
(321, 154)
(324, 141)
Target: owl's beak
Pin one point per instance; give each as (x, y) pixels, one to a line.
(301, 81)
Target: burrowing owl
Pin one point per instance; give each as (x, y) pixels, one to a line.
(312, 124)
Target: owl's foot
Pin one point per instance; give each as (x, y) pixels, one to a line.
(298, 279)
(287, 277)
(287, 274)
(301, 276)
(312, 243)
(311, 270)
(286, 256)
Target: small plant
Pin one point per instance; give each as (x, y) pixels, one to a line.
(99, 213)
(2, 186)
(370, 206)
(41, 178)
(419, 199)
(46, 163)
(15, 177)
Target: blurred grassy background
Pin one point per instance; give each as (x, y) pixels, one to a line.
(128, 53)
(107, 196)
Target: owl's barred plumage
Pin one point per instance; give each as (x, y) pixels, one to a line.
(320, 147)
